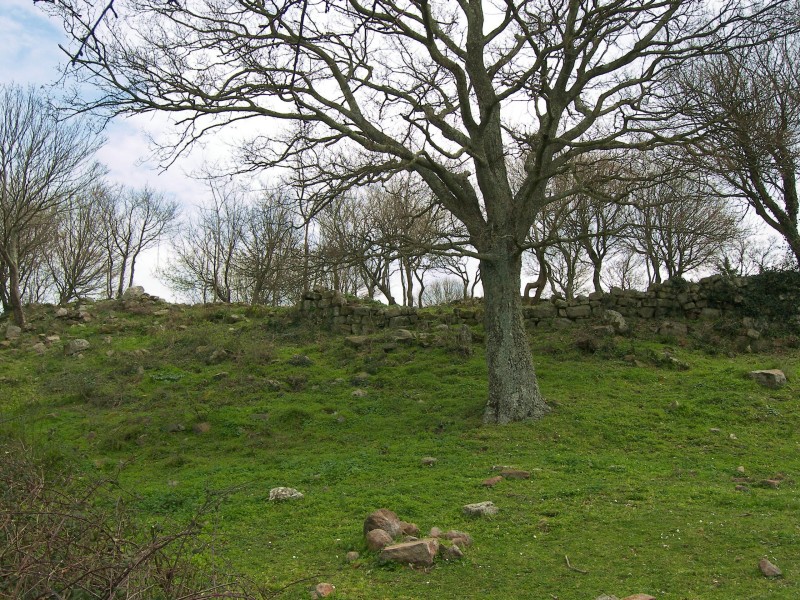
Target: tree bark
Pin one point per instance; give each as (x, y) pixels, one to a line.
(14, 295)
(513, 389)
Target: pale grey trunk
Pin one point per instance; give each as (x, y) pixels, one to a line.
(513, 389)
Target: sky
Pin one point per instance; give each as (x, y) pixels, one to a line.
(31, 56)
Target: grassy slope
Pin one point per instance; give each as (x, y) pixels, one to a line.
(629, 480)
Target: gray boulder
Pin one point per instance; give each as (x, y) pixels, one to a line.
(481, 509)
(616, 320)
(13, 332)
(75, 346)
(284, 493)
(771, 378)
(133, 292)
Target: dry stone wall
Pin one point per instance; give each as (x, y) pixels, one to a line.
(709, 298)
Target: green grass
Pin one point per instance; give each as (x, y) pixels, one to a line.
(632, 473)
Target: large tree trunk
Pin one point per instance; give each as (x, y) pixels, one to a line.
(513, 390)
(15, 295)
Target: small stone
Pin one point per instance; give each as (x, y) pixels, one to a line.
(461, 538)
(771, 378)
(323, 590)
(13, 332)
(606, 597)
(175, 427)
(201, 428)
(768, 569)
(715, 430)
(419, 553)
(378, 539)
(409, 528)
(740, 469)
(352, 556)
(515, 474)
(480, 509)
(359, 393)
(52, 339)
(492, 481)
(384, 519)
(452, 553)
(403, 335)
(428, 461)
(300, 360)
(75, 346)
(771, 483)
(356, 341)
(435, 532)
(39, 348)
(732, 436)
(741, 488)
(640, 597)
(61, 312)
(284, 493)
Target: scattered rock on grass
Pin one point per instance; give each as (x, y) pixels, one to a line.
(323, 590)
(771, 378)
(768, 569)
(419, 553)
(428, 461)
(384, 519)
(492, 481)
(201, 428)
(452, 553)
(75, 346)
(606, 597)
(356, 341)
(284, 493)
(13, 332)
(352, 556)
(461, 538)
(378, 539)
(481, 509)
(300, 360)
(640, 597)
(515, 474)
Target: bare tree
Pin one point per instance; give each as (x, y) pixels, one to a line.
(43, 162)
(428, 87)
(746, 105)
(135, 220)
(442, 291)
(204, 254)
(678, 225)
(269, 264)
(75, 256)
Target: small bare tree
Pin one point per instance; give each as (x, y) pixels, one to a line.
(75, 256)
(135, 220)
(203, 264)
(678, 224)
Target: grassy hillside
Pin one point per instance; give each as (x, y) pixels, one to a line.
(634, 473)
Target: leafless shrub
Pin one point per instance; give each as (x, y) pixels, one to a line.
(65, 538)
